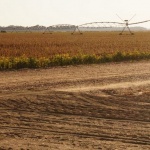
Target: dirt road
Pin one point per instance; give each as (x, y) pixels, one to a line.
(104, 106)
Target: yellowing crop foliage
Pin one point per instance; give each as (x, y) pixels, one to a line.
(32, 50)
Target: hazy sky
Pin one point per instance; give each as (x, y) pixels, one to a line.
(50, 12)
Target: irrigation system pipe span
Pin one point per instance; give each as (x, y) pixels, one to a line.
(95, 26)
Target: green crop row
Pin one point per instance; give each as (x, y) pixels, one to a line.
(66, 59)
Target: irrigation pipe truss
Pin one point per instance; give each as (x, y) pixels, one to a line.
(86, 26)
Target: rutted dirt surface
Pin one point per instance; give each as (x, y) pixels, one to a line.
(103, 106)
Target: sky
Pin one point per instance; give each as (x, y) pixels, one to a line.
(76, 12)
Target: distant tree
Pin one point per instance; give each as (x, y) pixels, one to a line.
(3, 31)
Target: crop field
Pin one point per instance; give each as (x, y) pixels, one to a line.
(34, 50)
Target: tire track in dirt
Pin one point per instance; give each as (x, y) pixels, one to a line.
(77, 112)
(82, 106)
(110, 86)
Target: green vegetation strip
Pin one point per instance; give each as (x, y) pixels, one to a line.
(65, 59)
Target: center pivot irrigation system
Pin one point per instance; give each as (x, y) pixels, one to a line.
(92, 26)
(124, 24)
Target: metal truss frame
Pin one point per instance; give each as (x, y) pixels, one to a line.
(58, 27)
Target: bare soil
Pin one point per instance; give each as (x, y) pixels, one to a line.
(104, 106)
